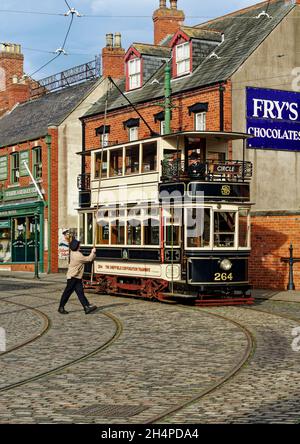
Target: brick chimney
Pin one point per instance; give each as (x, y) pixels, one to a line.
(113, 55)
(166, 20)
(13, 88)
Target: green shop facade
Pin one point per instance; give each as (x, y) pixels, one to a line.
(22, 225)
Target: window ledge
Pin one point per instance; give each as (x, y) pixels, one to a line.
(15, 185)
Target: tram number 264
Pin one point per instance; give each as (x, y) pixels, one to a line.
(223, 277)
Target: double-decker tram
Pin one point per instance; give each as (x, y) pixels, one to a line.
(171, 219)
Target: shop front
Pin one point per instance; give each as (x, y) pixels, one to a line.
(21, 224)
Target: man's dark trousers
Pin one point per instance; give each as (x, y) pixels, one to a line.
(74, 284)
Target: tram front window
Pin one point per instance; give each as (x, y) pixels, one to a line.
(151, 232)
(198, 227)
(244, 228)
(224, 229)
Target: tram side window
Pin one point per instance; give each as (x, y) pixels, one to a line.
(102, 237)
(149, 157)
(173, 227)
(151, 231)
(198, 227)
(132, 165)
(98, 158)
(117, 228)
(244, 228)
(82, 228)
(224, 229)
(89, 228)
(116, 163)
(134, 232)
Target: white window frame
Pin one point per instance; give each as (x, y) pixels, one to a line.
(183, 59)
(211, 242)
(133, 134)
(200, 121)
(134, 73)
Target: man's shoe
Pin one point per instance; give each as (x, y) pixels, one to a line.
(62, 311)
(89, 309)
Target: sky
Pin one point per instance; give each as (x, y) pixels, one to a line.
(40, 33)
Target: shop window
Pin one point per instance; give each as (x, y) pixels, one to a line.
(90, 233)
(23, 241)
(117, 229)
(198, 227)
(149, 157)
(151, 232)
(244, 229)
(116, 163)
(134, 232)
(132, 162)
(15, 167)
(5, 241)
(134, 73)
(37, 163)
(183, 59)
(98, 158)
(200, 121)
(224, 229)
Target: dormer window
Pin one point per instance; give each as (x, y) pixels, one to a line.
(183, 59)
(134, 73)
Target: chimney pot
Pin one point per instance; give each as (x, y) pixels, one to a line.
(118, 41)
(173, 4)
(109, 40)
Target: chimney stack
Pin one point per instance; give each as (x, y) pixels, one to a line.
(167, 21)
(113, 57)
(12, 91)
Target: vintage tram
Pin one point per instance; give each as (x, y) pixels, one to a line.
(170, 219)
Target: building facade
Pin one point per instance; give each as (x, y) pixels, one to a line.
(219, 71)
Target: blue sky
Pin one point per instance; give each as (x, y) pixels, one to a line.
(87, 37)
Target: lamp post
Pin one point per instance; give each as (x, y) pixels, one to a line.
(48, 140)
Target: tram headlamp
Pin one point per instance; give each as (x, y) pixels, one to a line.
(226, 265)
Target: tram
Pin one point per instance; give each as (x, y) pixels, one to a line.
(170, 219)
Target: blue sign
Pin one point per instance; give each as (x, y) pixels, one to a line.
(273, 118)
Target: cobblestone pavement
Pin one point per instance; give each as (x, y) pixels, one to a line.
(165, 356)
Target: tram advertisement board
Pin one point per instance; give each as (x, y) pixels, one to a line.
(273, 118)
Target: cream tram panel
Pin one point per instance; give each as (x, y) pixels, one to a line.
(142, 270)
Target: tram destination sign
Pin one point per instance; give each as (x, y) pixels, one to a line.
(273, 118)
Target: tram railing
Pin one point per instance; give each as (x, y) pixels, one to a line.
(210, 170)
(84, 182)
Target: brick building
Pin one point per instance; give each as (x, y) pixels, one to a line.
(45, 133)
(219, 70)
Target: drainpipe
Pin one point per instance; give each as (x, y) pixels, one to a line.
(168, 102)
(221, 89)
(48, 140)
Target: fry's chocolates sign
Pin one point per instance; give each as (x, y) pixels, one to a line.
(273, 118)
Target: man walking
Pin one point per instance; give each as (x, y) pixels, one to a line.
(74, 278)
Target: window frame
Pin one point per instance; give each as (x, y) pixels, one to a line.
(37, 165)
(134, 75)
(202, 114)
(14, 171)
(185, 59)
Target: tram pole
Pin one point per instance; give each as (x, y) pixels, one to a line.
(36, 249)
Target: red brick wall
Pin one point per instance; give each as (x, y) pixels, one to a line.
(271, 239)
(166, 22)
(113, 62)
(26, 181)
(181, 120)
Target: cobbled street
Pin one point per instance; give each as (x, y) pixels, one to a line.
(134, 361)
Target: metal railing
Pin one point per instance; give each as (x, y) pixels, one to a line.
(84, 182)
(210, 170)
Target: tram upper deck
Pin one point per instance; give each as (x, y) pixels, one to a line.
(132, 171)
